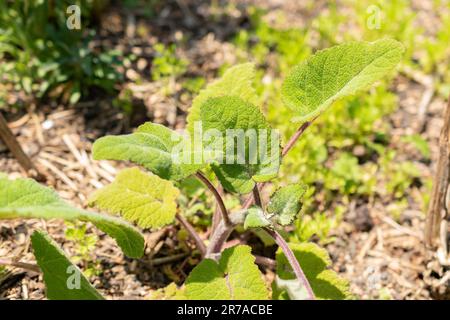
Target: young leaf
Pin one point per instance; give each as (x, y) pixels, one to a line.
(314, 260)
(336, 72)
(235, 277)
(236, 81)
(63, 280)
(251, 147)
(256, 218)
(157, 148)
(25, 198)
(286, 203)
(139, 197)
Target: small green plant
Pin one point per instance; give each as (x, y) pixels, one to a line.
(228, 135)
(84, 246)
(166, 63)
(41, 56)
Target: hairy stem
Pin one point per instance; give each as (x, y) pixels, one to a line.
(294, 138)
(292, 261)
(190, 229)
(221, 204)
(221, 234)
(216, 216)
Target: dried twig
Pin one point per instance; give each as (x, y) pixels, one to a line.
(13, 145)
(22, 265)
(266, 262)
(437, 209)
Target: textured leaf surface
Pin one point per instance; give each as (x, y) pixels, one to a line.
(337, 72)
(63, 280)
(153, 146)
(314, 261)
(139, 197)
(235, 277)
(293, 288)
(25, 198)
(286, 203)
(236, 81)
(256, 218)
(231, 114)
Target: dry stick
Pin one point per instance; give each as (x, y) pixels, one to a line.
(223, 209)
(266, 262)
(164, 260)
(190, 229)
(22, 265)
(10, 141)
(257, 196)
(292, 261)
(437, 208)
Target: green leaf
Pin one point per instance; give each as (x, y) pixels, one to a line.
(240, 123)
(337, 72)
(236, 81)
(25, 198)
(235, 277)
(314, 261)
(293, 288)
(159, 149)
(286, 203)
(64, 281)
(139, 197)
(256, 218)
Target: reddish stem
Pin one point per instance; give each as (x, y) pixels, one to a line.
(210, 186)
(292, 261)
(249, 201)
(190, 229)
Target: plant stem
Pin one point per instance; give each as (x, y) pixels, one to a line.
(190, 229)
(216, 216)
(294, 138)
(210, 186)
(292, 261)
(222, 233)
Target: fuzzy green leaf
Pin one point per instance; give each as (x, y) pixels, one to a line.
(157, 148)
(235, 277)
(241, 123)
(286, 203)
(236, 81)
(63, 280)
(314, 261)
(25, 198)
(294, 289)
(337, 72)
(139, 197)
(256, 218)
